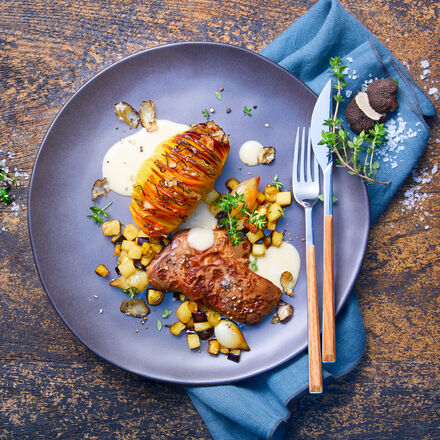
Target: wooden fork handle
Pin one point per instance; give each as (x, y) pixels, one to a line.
(315, 369)
(328, 314)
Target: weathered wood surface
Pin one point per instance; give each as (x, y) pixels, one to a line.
(51, 386)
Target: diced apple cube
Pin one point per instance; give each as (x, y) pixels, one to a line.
(111, 227)
(130, 232)
(177, 328)
(275, 212)
(193, 340)
(102, 271)
(258, 250)
(127, 268)
(135, 252)
(277, 238)
(283, 198)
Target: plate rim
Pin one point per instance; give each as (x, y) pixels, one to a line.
(164, 378)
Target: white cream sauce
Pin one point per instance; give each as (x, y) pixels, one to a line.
(200, 239)
(279, 260)
(122, 161)
(249, 152)
(201, 224)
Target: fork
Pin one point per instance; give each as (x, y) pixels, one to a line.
(305, 191)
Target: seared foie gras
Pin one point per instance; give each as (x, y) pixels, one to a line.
(218, 278)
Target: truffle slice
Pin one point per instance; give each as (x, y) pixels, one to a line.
(357, 119)
(382, 95)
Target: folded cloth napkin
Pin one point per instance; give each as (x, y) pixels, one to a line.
(256, 408)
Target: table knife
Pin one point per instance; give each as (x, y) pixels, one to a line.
(322, 112)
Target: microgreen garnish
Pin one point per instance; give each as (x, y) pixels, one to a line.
(348, 152)
(5, 195)
(253, 264)
(228, 203)
(166, 313)
(205, 113)
(131, 291)
(159, 324)
(218, 95)
(276, 183)
(281, 211)
(259, 221)
(247, 110)
(97, 212)
(321, 197)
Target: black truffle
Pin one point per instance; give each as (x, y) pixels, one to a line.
(382, 95)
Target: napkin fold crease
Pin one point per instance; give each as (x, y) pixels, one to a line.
(256, 408)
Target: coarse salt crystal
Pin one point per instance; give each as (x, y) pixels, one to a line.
(424, 64)
(349, 59)
(348, 93)
(432, 91)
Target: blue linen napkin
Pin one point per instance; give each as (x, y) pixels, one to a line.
(256, 408)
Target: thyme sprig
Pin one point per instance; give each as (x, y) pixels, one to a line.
(235, 209)
(6, 183)
(131, 291)
(349, 152)
(97, 212)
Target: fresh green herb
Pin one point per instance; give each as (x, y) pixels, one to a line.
(247, 110)
(349, 152)
(259, 221)
(5, 195)
(97, 212)
(205, 113)
(166, 313)
(159, 324)
(168, 325)
(215, 314)
(281, 211)
(131, 291)
(396, 80)
(227, 204)
(253, 264)
(218, 95)
(321, 197)
(276, 183)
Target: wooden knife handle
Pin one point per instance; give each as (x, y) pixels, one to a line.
(315, 368)
(328, 315)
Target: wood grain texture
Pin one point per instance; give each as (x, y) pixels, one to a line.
(314, 336)
(53, 387)
(328, 310)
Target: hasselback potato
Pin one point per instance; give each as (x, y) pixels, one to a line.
(181, 171)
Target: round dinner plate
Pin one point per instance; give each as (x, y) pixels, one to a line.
(181, 79)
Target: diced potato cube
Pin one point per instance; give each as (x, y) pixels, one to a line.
(275, 212)
(116, 238)
(283, 198)
(214, 210)
(135, 252)
(142, 234)
(258, 250)
(145, 261)
(185, 311)
(123, 258)
(270, 193)
(127, 268)
(271, 226)
(201, 326)
(214, 346)
(111, 227)
(277, 238)
(157, 248)
(102, 271)
(130, 232)
(261, 198)
(224, 350)
(232, 183)
(139, 280)
(262, 210)
(154, 240)
(193, 340)
(211, 196)
(213, 317)
(146, 249)
(117, 251)
(126, 245)
(155, 297)
(120, 282)
(177, 328)
(255, 237)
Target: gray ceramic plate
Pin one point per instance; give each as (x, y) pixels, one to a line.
(181, 79)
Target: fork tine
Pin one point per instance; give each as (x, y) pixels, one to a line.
(309, 162)
(295, 158)
(301, 165)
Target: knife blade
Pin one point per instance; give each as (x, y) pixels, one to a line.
(322, 112)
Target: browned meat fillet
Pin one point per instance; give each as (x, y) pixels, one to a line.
(219, 278)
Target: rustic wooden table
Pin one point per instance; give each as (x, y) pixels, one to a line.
(51, 386)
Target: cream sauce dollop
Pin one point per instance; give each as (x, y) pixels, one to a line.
(123, 159)
(279, 260)
(249, 152)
